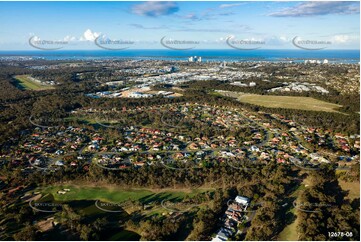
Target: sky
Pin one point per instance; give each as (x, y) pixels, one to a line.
(159, 25)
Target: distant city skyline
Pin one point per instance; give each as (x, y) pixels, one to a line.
(179, 25)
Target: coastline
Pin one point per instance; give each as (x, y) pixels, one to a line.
(297, 56)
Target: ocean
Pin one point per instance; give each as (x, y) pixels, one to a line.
(334, 56)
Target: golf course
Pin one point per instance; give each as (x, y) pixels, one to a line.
(116, 194)
(288, 102)
(26, 82)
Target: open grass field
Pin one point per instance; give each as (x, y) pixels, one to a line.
(289, 233)
(90, 211)
(25, 83)
(116, 195)
(289, 102)
(83, 119)
(352, 187)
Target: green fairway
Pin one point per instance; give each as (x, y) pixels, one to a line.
(289, 102)
(125, 235)
(289, 233)
(82, 119)
(116, 195)
(24, 82)
(87, 207)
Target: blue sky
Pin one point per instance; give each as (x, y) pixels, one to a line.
(273, 25)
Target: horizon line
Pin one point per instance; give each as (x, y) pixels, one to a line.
(119, 51)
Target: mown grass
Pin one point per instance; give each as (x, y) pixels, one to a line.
(24, 83)
(288, 102)
(353, 188)
(116, 195)
(289, 233)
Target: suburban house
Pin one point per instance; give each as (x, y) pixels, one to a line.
(242, 200)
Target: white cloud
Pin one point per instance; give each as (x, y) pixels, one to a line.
(283, 38)
(36, 38)
(69, 38)
(191, 16)
(230, 5)
(341, 38)
(316, 8)
(89, 35)
(155, 9)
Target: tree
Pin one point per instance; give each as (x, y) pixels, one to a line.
(27, 233)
